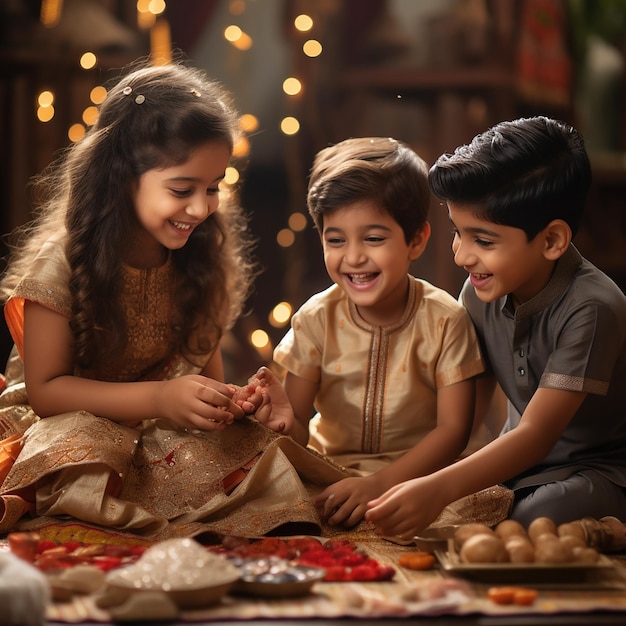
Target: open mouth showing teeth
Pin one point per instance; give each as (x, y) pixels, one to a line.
(481, 276)
(180, 225)
(361, 278)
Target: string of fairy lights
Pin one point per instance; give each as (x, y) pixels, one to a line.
(151, 18)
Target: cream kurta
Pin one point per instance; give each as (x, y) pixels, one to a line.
(378, 386)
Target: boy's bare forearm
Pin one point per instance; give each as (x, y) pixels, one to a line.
(438, 449)
(499, 461)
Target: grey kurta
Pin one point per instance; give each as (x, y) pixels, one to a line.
(572, 336)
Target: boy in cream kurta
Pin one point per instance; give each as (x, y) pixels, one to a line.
(378, 385)
(384, 360)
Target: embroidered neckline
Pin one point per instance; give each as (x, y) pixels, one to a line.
(411, 303)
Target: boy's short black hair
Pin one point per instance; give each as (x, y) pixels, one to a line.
(523, 173)
(380, 169)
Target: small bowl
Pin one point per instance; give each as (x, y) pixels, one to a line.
(273, 577)
(191, 598)
(200, 598)
(291, 589)
(435, 538)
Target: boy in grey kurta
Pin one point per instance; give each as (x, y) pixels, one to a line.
(570, 336)
(552, 326)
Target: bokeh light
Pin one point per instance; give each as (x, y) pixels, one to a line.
(312, 48)
(297, 221)
(232, 33)
(90, 115)
(45, 99)
(289, 125)
(239, 39)
(292, 86)
(248, 123)
(231, 175)
(280, 314)
(88, 60)
(98, 94)
(76, 132)
(156, 7)
(45, 114)
(303, 23)
(259, 338)
(285, 238)
(45, 110)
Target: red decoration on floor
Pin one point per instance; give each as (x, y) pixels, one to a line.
(342, 559)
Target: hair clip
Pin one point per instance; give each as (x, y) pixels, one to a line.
(195, 92)
(139, 98)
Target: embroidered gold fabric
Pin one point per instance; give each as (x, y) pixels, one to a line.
(156, 480)
(147, 301)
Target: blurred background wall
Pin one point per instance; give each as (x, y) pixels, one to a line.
(306, 73)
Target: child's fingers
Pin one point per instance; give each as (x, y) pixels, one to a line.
(217, 400)
(262, 377)
(329, 505)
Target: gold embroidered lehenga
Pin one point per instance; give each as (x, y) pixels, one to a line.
(154, 480)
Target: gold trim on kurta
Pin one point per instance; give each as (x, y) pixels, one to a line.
(372, 432)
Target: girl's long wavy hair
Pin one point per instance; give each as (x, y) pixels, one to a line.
(154, 117)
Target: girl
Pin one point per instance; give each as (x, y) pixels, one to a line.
(117, 300)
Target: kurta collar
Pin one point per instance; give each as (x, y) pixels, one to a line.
(563, 273)
(411, 303)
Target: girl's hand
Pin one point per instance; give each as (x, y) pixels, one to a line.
(407, 508)
(275, 411)
(248, 397)
(344, 503)
(198, 403)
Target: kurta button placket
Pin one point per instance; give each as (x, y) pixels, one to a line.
(520, 354)
(520, 363)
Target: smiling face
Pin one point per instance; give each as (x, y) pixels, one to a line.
(366, 254)
(499, 259)
(172, 201)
